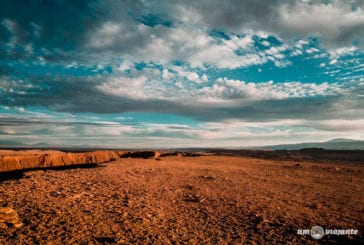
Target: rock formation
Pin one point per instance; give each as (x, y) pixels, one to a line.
(12, 160)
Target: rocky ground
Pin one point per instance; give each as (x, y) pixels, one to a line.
(183, 200)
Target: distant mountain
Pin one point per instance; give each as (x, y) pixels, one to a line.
(342, 140)
(40, 144)
(335, 144)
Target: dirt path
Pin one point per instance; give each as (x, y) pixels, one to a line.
(185, 200)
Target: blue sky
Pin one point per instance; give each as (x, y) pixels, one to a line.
(180, 73)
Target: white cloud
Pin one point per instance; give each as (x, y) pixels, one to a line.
(227, 90)
(326, 20)
(190, 75)
(20, 109)
(239, 42)
(204, 78)
(184, 85)
(126, 65)
(167, 75)
(124, 87)
(186, 43)
(312, 50)
(266, 43)
(106, 35)
(339, 125)
(296, 52)
(194, 45)
(300, 43)
(275, 50)
(334, 21)
(343, 51)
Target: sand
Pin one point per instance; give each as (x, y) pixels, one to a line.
(185, 200)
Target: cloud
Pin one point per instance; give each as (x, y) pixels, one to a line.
(225, 99)
(343, 51)
(338, 125)
(124, 87)
(334, 21)
(191, 76)
(137, 30)
(225, 89)
(107, 35)
(225, 64)
(235, 132)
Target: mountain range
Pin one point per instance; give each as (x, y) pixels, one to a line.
(335, 144)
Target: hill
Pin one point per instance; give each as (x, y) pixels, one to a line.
(335, 144)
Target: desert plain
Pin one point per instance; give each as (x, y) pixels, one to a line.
(216, 197)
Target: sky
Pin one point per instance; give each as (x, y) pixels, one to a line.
(168, 73)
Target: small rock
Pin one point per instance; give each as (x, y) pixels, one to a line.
(125, 215)
(9, 216)
(18, 225)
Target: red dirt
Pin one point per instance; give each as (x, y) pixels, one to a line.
(185, 200)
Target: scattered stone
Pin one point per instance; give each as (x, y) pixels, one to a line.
(9, 217)
(188, 187)
(206, 177)
(191, 197)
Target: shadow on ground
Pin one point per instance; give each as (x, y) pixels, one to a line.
(18, 174)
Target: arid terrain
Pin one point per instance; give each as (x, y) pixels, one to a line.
(215, 198)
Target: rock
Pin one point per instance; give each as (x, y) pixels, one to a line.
(9, 217)
(138, 154)
(15, 160)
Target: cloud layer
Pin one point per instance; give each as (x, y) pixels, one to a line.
(184, 72)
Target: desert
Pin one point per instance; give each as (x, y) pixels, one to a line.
(211, 197)
(181, 122)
